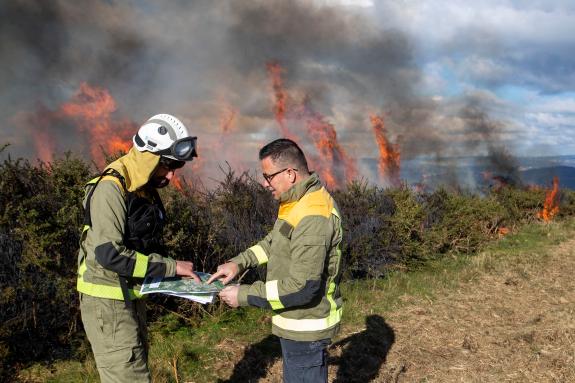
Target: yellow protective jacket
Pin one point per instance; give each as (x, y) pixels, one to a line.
(103, 258)
(303, 265)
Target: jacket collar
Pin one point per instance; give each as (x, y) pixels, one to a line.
(300, 189)
(136, 167)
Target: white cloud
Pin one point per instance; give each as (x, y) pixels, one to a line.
(493, 41)
(551, 120)
(442, 20)
(557, 105)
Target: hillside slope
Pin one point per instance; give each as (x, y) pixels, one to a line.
(514, 325)
(511, 320)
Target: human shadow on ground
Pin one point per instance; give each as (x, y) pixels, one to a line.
(363, 353)
(258, 358)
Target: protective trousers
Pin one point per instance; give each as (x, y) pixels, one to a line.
(304, 362)
(118, 336)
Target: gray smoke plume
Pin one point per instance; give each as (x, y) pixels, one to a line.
(48, 49)
(199, 60)
(488, 132)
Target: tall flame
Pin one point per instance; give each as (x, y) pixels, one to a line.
(280, 106)
(40, 121)
(332, 157)
(44, 145)
(227, 121)
(92, 107)
(225, 146)
(551, 204)
(389, 154)
(334, 165)
(177, 183)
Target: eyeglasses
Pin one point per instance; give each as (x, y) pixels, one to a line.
(270, 177)
(170, 164)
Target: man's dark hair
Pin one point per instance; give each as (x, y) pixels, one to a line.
(285, 152)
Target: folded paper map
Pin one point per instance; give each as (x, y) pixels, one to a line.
(183, 287)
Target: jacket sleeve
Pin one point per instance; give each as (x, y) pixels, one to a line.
(302, 284)
(255, 255)
(108, 213)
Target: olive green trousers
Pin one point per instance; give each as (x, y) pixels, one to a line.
(118, 337)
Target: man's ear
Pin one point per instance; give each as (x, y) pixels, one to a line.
(293, 176)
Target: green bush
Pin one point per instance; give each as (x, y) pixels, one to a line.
(384, 229)
(459, 223)
(567, 203)
(399, 228)
(39, 226)
(210, 228)
(520, 205)
(366, 213)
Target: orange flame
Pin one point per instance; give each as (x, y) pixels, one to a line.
(551, 204)
(177, 183)
(280, 106)
(334, 165)
(91, 107)
(44, 145)
(332, 156)
(40, 122)
(228, 120)
(389, 154)
(225, 147)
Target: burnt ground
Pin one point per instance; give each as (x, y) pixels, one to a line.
(514, 321)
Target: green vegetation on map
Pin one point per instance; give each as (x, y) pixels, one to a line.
(181, 285)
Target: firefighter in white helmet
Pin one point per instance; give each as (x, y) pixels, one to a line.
(121, 244)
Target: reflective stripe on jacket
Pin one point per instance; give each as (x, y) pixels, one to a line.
(303, 265)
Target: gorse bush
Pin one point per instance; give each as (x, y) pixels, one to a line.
(384, 229)
(520, 205)
(367, 216)
(213, 226)
(39, 221)
(399, 228)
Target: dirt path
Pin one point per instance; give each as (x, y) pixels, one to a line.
(516, 324)
(512, 323)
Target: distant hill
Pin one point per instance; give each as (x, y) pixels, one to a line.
(470, 171)
(544, 176)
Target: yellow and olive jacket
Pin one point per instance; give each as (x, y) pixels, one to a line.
(103, 258)
(303, 265)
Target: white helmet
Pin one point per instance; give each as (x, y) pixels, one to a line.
(165, 135)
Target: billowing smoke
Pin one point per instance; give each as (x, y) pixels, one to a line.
(208, 63)
(489, 133)
(48, 50)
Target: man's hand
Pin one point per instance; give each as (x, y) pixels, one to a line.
(186, 269)
(230, 296)
(225, 273)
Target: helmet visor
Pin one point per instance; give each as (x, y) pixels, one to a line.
(183, 149)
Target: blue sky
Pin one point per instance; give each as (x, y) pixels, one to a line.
(521, 53)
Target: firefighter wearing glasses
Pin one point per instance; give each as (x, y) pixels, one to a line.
(121, 244)
(303, 256)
